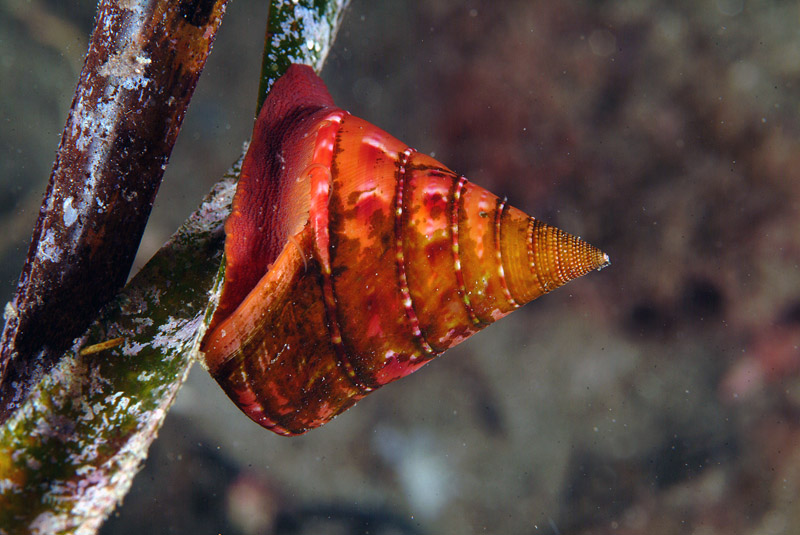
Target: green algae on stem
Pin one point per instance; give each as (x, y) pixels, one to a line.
(298, 31)
(68, 454)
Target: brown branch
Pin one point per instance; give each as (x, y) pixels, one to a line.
(144, 60)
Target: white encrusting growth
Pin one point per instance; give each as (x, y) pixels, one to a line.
(70, 214)
(93, 119)
(9, 311)
(316, 31)
(47, 249)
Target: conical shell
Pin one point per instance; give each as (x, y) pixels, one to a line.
(394, 259)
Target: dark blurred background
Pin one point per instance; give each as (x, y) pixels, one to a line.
(660, 396)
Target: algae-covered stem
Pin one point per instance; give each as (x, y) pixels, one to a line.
(69, 452)
(298, 31)
(68, 455)
(144, 59)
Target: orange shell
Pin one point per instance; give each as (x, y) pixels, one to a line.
(352, 260)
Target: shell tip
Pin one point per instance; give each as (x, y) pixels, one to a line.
(604, 262)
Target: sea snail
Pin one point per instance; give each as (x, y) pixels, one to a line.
(352, 260)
